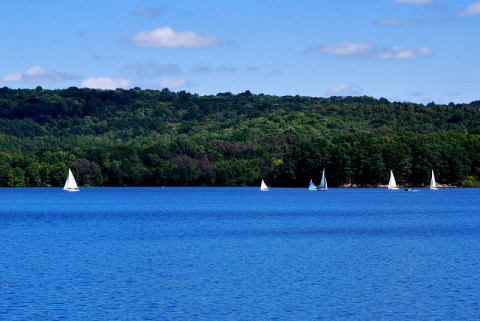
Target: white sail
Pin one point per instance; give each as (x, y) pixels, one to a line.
(433, 184)
(263, 186)
(392, 184)
(70, 184)
(323, 183)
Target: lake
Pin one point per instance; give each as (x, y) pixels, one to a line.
(239, 254)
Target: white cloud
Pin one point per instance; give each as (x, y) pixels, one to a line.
(35, 74)
(13, 77)
(403, 53)
(369, 50)
(344, 89)
(473, 9)
(35, 71)
(173, 83)
(414, 1)
(167, 38)
(105, 83)
(345, 49)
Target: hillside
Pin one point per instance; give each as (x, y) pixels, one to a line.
(152, 138)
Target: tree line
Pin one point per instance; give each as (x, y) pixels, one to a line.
(153, 138)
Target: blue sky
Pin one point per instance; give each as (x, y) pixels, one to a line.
(402, 50)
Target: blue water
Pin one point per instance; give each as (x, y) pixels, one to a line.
(239, 254)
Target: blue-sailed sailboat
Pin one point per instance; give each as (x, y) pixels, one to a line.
(312, 186)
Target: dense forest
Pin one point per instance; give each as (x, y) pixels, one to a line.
(153, 138)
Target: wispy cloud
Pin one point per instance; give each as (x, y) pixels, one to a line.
(173, 83)
(415, 1)
(344, 89)
(352, 49)
(417, 94)
(105, 83)
(202, 69)
(274, 73)
(471, 10)
(403, 53)
(167, 38)
(151, 69)
(406, 21)
(150, 12)
(36, 74)
(344, 49)
(397, 21)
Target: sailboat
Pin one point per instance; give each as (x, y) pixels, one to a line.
(323, 183)
(263, 186)
(70, 184)
(433, 184)
(312, 186)
(392, 184)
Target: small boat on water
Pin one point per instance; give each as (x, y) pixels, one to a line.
(409, 189)
(70, 184)
(433, 184)
(323, 183)
(392, 184)
(263, 186)
(312, 186)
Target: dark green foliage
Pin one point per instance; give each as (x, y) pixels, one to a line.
(152, 138)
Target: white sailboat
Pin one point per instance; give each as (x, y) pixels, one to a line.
(323, 183)
(433, 184)
(70, 184)
(263, 186)
(392, 184)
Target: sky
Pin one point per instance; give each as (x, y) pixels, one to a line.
(403, 50)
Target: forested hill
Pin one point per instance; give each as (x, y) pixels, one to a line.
(153, 138)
